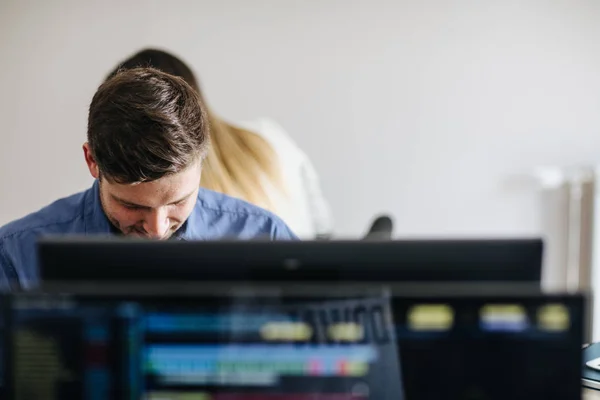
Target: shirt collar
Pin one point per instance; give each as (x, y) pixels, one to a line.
(96, 221)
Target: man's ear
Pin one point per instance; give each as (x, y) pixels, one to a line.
(90, 161)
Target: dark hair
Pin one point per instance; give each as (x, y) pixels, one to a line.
(159, 59)
(144, 124)
(237, 158)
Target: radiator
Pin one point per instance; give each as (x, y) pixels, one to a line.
(568, 199)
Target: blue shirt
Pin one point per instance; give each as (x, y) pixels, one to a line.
(215, 216)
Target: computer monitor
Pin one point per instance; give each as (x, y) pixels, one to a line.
(116, 259)
(294, 345)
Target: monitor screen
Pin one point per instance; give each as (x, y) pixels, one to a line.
(275, 347)
(203, 348)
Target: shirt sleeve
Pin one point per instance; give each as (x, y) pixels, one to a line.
(280, 231)
(5, 268)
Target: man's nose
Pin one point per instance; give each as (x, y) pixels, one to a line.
(156, 224)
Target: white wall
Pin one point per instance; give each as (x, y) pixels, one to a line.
(424, 108)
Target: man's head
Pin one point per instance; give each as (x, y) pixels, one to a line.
(147, 136)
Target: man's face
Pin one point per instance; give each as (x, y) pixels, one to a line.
(151, 209)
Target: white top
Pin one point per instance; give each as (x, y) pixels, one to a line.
(302, 206)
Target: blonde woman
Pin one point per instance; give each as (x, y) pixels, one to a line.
(256, 161)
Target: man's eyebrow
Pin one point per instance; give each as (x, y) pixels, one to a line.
(183, 198)
(128, 203)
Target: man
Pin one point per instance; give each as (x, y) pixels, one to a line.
(147, 136)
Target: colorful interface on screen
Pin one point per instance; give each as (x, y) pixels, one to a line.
(285, 349)
(93, 349)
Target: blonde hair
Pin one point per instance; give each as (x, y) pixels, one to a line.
(239, 163)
